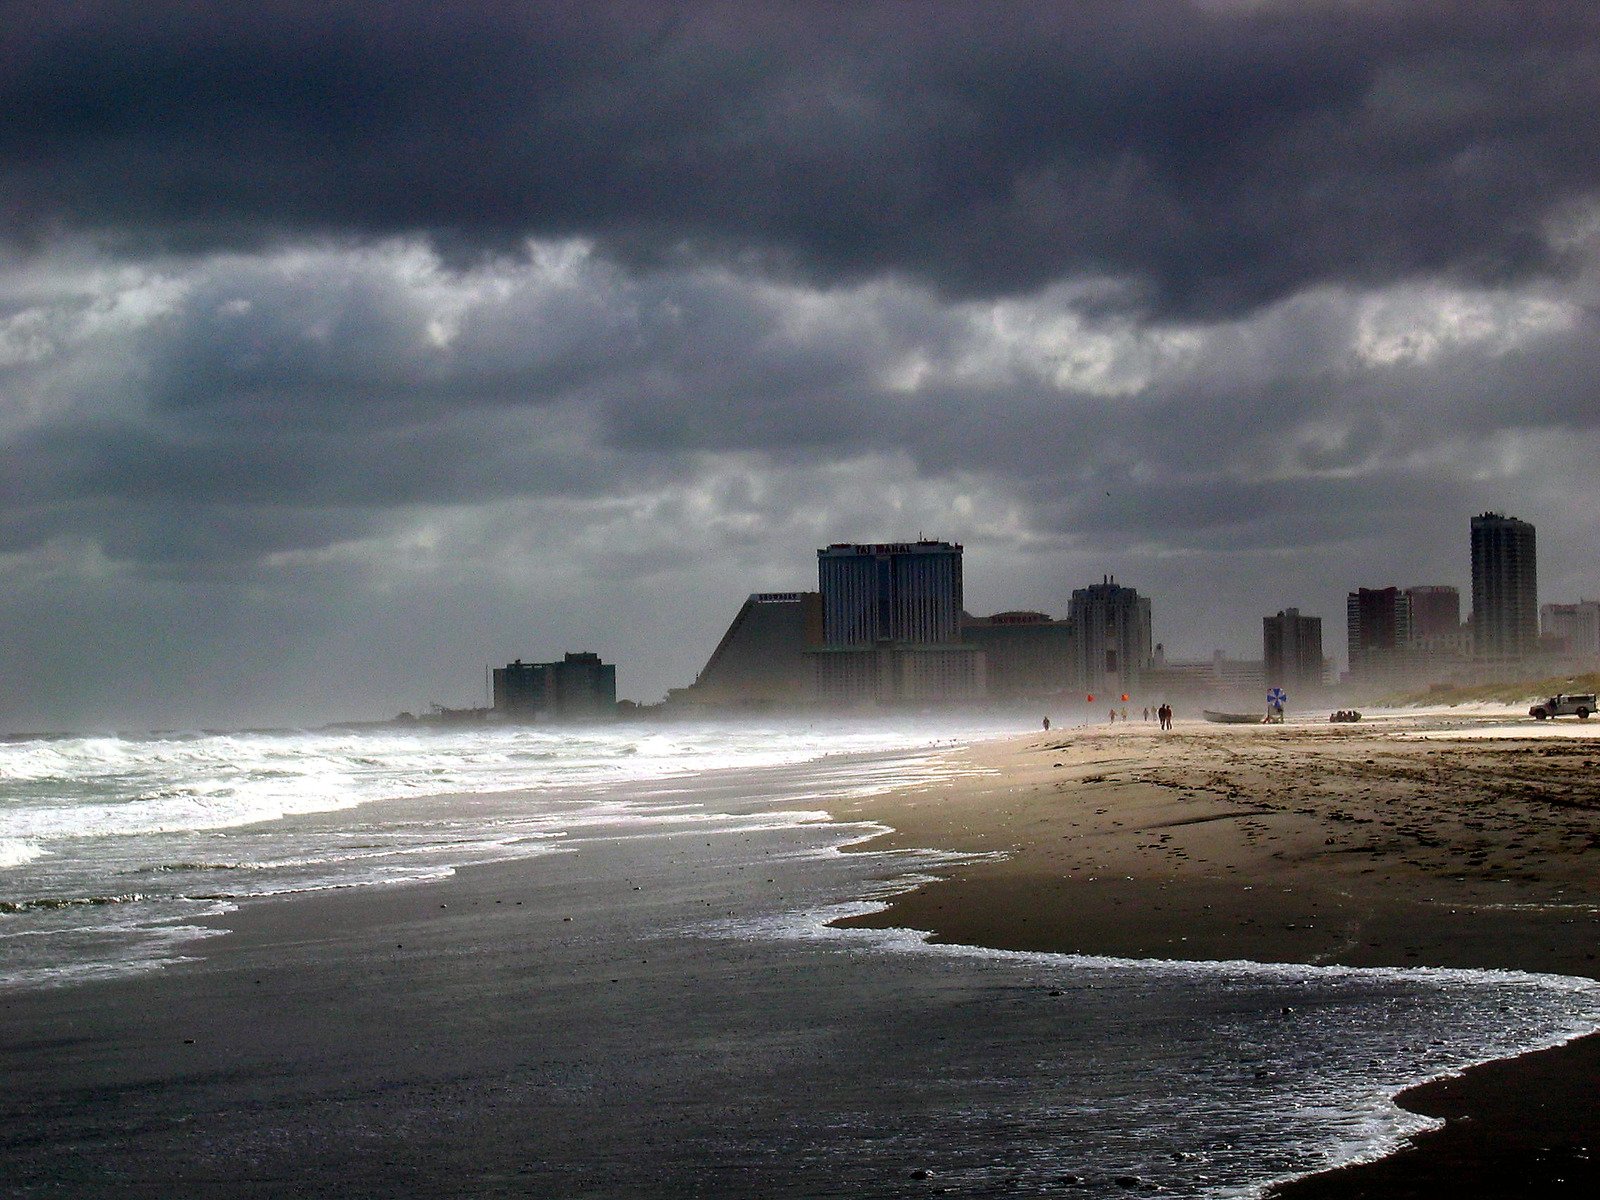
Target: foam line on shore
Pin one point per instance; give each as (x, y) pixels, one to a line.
(822, 924)
(1371, 1127)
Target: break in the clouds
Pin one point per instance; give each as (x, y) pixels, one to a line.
(346, 348)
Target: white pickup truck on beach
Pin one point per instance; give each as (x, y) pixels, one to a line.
(1578, 705)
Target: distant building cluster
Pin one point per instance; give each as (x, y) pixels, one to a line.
(1406, 638)
(579, 686)
(1402, 639)
(887, 627)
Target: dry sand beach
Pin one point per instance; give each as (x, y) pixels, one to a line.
(1407, 841)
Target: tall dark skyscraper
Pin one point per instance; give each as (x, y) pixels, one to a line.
(1291, 648)
(891, 626)
(905, 592)
(1505, 588)
(1378, 628)
(1111, 632)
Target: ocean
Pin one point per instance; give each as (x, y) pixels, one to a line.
(687, 1022)
(111, 846)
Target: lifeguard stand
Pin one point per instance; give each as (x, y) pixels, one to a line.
(1277, 701)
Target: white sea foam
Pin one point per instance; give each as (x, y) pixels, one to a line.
(16, 851)
(240, 815)
(820, 925)
(111, 786)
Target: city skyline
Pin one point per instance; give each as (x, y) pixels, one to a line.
(887, 627)
(341, 346)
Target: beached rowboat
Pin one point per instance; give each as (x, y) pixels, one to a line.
(1225, 718)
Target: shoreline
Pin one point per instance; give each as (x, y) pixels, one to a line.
(1131, 844)
(1402, 843)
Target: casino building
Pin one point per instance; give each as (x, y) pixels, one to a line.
(761, 662)
(891, 624)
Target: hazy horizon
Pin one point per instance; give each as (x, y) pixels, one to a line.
(347, 349)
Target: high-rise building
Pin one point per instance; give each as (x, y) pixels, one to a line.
(891, 625)
(906, 592)
(1378, 628)
(1574, 627)
(1435, 611)
(1505, 588)
(1291, 648)
(578, 686)
(1111, 635)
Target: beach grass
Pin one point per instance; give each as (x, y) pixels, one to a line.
(1515, 692)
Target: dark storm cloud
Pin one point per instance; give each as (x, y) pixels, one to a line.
(1212, 157)
(181, 541)
(506, 329)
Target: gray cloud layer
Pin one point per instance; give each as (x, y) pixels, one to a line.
(343, 349)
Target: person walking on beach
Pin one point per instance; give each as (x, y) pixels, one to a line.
(1047, 724)
(1146, 712)
(1113, 716)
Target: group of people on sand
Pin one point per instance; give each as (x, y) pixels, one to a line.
(1162, 714)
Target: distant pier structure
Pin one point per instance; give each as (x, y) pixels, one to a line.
(579, 687)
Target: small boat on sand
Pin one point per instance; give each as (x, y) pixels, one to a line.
(1227, 718)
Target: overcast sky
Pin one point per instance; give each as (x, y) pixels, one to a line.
(348, 348)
